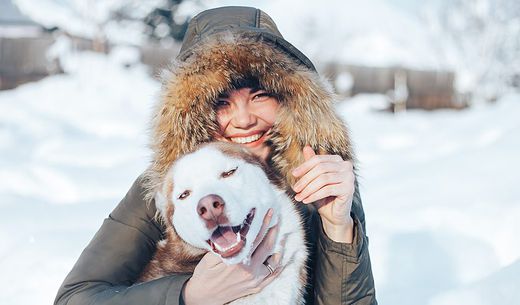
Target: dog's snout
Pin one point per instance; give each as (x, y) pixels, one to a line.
(210, 207)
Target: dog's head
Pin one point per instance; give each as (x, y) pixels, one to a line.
(217, 197)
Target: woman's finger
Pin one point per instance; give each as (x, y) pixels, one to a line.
(312, 162)
(265, 248)
(210, 260)
(274, 260)
(267, 280)
(334, 190)
(265, 225)
(320, 168)
(276, 257)
(318, 183)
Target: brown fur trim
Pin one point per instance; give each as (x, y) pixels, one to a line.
(185, 117)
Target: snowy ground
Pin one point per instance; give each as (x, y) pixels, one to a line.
(440, 189)
(70, 147)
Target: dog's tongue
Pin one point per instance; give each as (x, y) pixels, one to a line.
(224, 237)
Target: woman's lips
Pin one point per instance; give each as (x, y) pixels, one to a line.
(248, 139)
(251, 140)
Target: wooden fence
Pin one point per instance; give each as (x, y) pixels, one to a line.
(24, 59)
(414, 88)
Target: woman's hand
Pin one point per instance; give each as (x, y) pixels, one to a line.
(327, 180)
(214, 282)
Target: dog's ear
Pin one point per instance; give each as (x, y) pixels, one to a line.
(161, 197)
(160, 201)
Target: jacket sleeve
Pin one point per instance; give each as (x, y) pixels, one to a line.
(343, 273)
(113, 260)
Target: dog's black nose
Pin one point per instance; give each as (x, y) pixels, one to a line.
(211, 207)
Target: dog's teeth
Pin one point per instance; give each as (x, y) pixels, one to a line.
(220, 249)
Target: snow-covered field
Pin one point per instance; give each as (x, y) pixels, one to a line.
(442, 202)
(440, 188)
(70, 147)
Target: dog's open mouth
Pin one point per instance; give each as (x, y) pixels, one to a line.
(227, 241)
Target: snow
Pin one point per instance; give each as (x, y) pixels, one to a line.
(70, 146)
(440, 198)
(440, 189)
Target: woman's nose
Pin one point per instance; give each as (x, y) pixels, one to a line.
(243, 117)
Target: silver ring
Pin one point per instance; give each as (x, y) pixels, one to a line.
(269, 267)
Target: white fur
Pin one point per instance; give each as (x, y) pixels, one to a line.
(249, 187)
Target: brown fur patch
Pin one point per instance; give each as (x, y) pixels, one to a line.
(173, 255)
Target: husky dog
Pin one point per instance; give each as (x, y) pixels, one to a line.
(214, 199)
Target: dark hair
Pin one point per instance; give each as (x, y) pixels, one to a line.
(247, 82)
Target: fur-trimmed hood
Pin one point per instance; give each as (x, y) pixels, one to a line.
(211, 61)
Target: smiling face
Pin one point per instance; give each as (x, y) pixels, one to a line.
(220, 200)
(246, 116)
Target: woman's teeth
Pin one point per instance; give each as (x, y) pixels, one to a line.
(245, 140)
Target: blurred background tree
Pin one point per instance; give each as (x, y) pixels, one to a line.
(483, 44)
(161, 21)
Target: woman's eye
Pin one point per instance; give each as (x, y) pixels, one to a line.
(261, 96)
(184, 195)
(228, 173)
(221, 104)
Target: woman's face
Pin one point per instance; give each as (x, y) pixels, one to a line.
(245, 116)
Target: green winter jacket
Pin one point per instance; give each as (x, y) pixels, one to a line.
(221, 47)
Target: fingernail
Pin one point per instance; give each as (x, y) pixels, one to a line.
(270, 212)
(294, 172)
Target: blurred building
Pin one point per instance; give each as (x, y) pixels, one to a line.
(405, 88)
(23, 46)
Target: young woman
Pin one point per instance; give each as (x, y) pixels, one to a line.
(237, 80)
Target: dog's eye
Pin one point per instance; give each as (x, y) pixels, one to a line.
(228, 173)
(184, 195)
